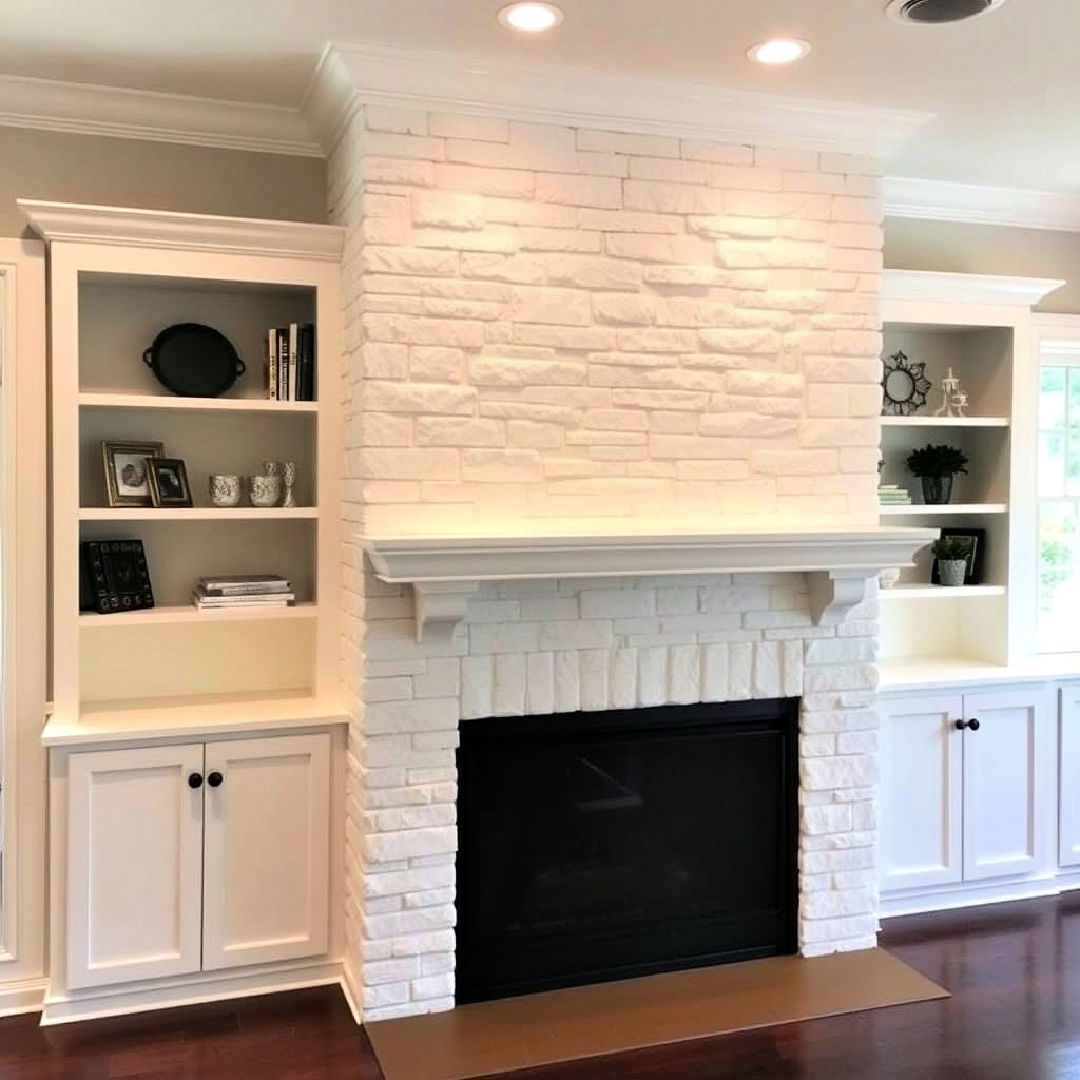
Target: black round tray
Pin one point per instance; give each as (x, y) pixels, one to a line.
(193, 360)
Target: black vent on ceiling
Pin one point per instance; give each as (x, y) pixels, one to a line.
(942, 11)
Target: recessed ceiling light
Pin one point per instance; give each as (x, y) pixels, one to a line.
(778, 51)
(531, 18)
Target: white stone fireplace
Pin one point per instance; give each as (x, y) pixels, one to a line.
(479, 627)
(560, 325)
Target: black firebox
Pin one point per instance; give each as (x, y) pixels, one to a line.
(600, 846)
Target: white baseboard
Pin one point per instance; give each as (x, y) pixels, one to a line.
(951, 897)
(22, 997)
(353, 998)
(112, 1002)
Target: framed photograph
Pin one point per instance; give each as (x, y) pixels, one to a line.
(127, 478)
(168, 482)
(976, 558)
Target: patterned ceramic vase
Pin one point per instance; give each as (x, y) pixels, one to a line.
(225, 490)
(264, 490)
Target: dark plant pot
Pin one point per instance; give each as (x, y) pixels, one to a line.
(936, 490)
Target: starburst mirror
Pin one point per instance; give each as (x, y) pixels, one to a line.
(904, 386)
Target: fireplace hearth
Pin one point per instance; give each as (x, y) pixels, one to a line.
(606, 845)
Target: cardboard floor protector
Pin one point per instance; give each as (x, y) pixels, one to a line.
(588, 1021)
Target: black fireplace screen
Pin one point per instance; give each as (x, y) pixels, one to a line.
(598, 846)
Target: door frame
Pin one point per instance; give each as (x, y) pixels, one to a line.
(23, 582)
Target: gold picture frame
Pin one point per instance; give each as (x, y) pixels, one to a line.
(127, 478)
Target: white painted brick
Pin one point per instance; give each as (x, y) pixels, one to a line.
(597, 192)
(595, 690)
(540, 682)
(448, 210)
(613, 142)
(484, 128)
(477, 681)
(740, 670)
(624, 673)
(652, 675)
(684, 674)
(617, 603)
(509, 688)
(567, 682)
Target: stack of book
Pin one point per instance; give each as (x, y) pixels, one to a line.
(893, 495)
(242, 591)
(290, 362)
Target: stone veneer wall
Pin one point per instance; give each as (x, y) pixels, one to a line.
(545, 323)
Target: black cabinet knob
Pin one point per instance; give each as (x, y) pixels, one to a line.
(194, 781)
(972, 725)
(215, 779)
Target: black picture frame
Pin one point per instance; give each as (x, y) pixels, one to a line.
(168, 482)
(975, 573)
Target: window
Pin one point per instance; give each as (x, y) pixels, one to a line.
(1059, 507)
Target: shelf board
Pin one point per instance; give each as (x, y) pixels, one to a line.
(93, 399)
(939, 592)
(187, 613)
(945, 421)
(200, 715)
(196, 513)
(949, 509)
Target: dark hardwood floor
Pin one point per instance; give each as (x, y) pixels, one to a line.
(1014, 971)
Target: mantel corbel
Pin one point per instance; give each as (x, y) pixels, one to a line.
(834, 593)
(440, 606)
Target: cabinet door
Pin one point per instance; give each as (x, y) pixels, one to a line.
(267, 852)
(134, 865)
(1069, 772)
(921, 792)
(1009, 804)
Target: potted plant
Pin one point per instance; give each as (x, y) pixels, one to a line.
(952, 554)
(936, 466)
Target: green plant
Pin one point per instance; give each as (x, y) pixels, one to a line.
(952, 548)
(937, 461)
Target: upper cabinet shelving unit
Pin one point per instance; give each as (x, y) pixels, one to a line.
(980, 326)
(118, 277)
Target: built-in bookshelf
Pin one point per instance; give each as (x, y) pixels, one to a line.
(119, 277)
(979, 326)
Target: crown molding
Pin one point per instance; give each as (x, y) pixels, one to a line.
(974, 204)
(87, 109)
(71, 223)
(349, 75)
(946, 288)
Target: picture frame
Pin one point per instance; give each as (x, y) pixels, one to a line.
(976, 561)
(127, 481)
(168, 481)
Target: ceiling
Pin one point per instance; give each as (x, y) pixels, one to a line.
(1005, 87)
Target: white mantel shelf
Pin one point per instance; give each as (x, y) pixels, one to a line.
(445, 570)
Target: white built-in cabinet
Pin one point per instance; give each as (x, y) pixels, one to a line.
(1069, 779)
(196, 811)
(196, 857)
(968, 796)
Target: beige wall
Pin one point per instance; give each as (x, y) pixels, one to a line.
(988, 249)
(154, 175)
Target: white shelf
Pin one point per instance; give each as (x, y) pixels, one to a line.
(186, 613)
(948, 510)
(208, 714)
(946, 421)
(929, 672)
(102, 400)
(196, 513)
(939, 592)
